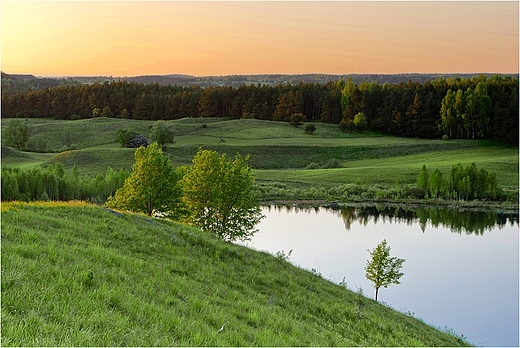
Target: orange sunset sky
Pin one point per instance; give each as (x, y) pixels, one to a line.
(128, 38)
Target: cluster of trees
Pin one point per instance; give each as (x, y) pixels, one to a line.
(462, 184)
(412, 109)
(55, 183)
(215, 194)
(466, 113)
(161, 134)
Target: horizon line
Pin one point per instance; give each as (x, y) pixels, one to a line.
(270, 74)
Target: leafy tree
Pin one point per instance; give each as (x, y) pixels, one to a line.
(106, 112)
(284, 108)
(96, 112)
(151, 187)
(296, 120)
(124, 113)
(123, 136)
(436, 183)
(448, 115)
(16, 133)
(346, 126)
(422, 180)
(10, 190)
(383, 270)
(219, 196)
(459, 106)
(161, 133)
(483, 106)
(350, 99)
(360, 121)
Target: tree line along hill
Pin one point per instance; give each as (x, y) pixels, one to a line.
(426, 106)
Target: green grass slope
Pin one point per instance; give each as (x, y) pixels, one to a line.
(80, 275)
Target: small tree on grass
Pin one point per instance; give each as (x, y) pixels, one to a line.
(16, 133)
(219, 196)
(151, 187)
(161, 133)
(383, 270)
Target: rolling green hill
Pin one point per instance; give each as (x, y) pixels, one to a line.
(75, 274)
(278, 152)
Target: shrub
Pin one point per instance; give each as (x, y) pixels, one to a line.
(413, 192)
(332, 163)
(137, 142)
(310, 128)
(312, 166)
(445, 137)
(37, 145)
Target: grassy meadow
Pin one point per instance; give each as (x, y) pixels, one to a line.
(75, 274)
(282, 157)
(96, 277)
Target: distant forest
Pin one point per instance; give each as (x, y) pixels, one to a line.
(414, 105)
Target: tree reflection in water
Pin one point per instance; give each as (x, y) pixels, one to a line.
(458, 221)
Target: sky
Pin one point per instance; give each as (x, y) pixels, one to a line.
(131, 38)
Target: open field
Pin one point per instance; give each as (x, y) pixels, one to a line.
(278, 152)
(95, 277)
(404, 169)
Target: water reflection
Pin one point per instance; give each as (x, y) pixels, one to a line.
(458, 221)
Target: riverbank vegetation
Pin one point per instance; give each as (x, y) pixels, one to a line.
(97, 277)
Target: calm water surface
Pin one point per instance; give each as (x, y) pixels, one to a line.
(461, 270)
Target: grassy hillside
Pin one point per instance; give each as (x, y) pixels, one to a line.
(80, 275)
(279, 152)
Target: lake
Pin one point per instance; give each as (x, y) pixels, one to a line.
(461, 271)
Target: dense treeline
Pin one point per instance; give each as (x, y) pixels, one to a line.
(490, 109)
(56, 184)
